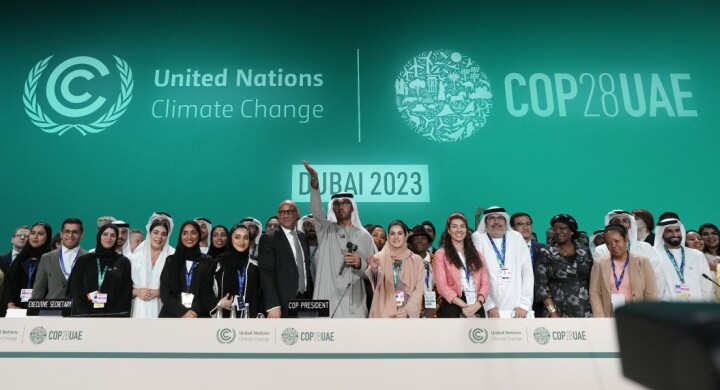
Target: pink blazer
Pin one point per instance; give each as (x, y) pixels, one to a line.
(447, 277)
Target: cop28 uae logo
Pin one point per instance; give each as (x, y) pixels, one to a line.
(443, 95)
(73, 110)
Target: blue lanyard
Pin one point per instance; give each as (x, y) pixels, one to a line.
(189, 276)
(31, 270)
(622, 275)
(397, 268)
(501, 258)
(101, 274)
(241, 280)
(680, 271)
(62, 263)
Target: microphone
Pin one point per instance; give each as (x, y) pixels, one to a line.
(341, 297)
(712, 281)
(351, 248)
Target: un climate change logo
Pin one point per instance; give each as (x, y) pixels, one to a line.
(478, 335)
(443, 95)
(542, 335)
(290, 336)
(38, 335)
(225, 335)
(75, 116)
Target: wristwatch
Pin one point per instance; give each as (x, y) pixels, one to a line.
(551, 309)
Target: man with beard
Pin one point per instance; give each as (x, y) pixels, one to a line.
(509, 266)
(55, 266)
(306, 224)
(205, 229)
(343, 248)
(123, 246)
(683, 267)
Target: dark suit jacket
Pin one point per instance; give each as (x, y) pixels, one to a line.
(278, 272)
(5, 260)
(50, 281)
(534, 256)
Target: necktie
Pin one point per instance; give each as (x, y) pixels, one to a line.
(299, 262)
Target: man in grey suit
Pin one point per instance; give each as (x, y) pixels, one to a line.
(55, 266)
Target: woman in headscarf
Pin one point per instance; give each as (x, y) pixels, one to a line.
(101, 282)
(147, 266)
(236, 281)
(21, 274)
(620, 278)
(460, 273)
(562, 273)
(186, 280)
(218, 240)
(397, 276)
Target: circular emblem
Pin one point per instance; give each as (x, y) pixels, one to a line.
(542, 335)
(443, 95)
(38, 335)
(225, 335)
(75, 106)
(290, 336)
(478, 335)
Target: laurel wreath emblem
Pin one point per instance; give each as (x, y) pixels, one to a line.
(41, 120)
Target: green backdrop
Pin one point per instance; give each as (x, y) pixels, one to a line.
(556, 135)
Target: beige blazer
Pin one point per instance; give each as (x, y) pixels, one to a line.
(642, 278)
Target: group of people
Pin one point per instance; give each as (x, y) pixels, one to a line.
(496, 270)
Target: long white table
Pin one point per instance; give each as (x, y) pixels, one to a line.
(314, 353)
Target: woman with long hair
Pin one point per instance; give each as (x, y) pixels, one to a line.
(397, 277)
(460, 273)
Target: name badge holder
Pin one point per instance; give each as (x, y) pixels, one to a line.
(25, 294)
(187, 299)
(430, 300)
(98, 298)
(505, 275)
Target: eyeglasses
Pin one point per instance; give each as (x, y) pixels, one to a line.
(343, 202)
(521, 224)
(73, 232)
(286, 212)
(22, 236)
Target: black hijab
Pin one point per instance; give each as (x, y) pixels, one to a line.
(233, 263)
(182, 252)
(100, 250)
(28, 252)
(214, 251)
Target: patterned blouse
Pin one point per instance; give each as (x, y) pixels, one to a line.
(564, 279)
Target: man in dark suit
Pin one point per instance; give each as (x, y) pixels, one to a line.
(523, 224)
(55, 267)
(284, 263)
(18, 240)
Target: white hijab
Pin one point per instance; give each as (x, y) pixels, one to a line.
(145, 275)
(355, 216)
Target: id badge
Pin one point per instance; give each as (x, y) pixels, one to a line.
(25, 294)
(470, 296)
(617, 300)
(430, 300)
(682, 291)
(505, 275)
(100, 298)
(239, 303)
(187, 299)
(399, 298)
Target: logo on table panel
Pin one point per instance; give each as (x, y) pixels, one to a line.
(290, 336)
(225, 335)
(542, 335)
(443, 95)
(38, 335)
(77, 95)
(478, 335)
